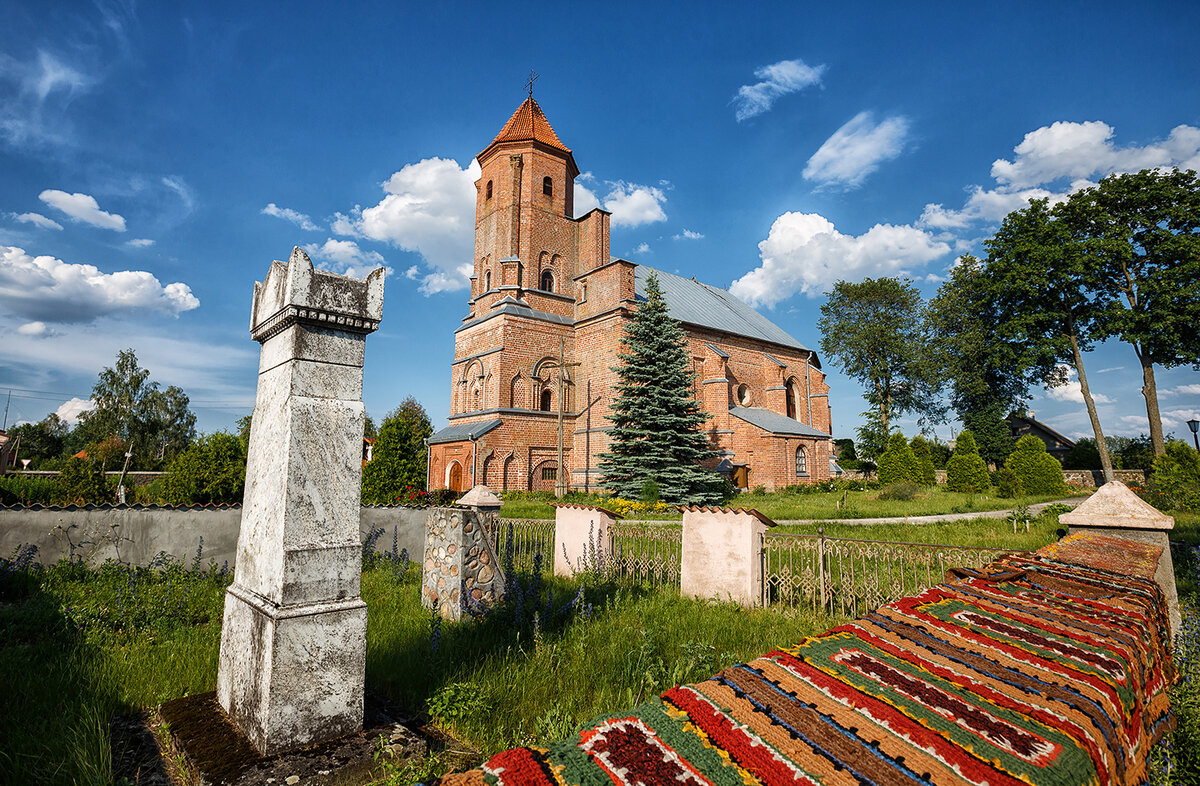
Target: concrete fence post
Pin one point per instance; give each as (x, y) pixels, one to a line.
(582, 538)
(1117, 511)
(722, 554)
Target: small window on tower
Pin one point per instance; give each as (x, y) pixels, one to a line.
(489, 190)
(487, 281)
(545, 401)
(547, 281)
(547, 186)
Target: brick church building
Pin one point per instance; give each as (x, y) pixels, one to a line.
(546, 295)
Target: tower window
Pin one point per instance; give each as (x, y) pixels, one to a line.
(487, 281)
(489, 190)
(547, 186)
(801, 461)
(547, 284)
(545, 401)
(743, 395)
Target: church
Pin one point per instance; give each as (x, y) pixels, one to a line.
(532, 378)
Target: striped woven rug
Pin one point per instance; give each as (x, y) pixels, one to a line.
(1050, 669)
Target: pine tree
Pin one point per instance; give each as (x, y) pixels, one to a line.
(657, 423)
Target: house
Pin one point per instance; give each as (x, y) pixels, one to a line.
(545, 320)
(1022, 423)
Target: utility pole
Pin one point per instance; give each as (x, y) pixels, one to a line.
(560, 480)
(5, 426)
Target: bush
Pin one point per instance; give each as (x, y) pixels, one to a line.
(900, 491)
(924, 453)
(1177, 477)
(1037, 471)
(1008, 485)
(81, 483)
(965, 471)
(21, 490)
(899, 464)
(211, 471)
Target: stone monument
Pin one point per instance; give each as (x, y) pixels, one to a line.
(293, 638)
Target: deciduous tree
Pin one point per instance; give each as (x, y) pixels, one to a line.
(399, 456)
(657, 423)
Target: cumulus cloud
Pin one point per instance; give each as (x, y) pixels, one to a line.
(856, 150)
(1071, 391)
(775, 81)
(140, 242)
(804, 252)
(429, 208)
(632, 205)
(345, 257)
(34, 330)
(585, 199)
(44, 288)
(82, 207)
(642, 248)
(72, 410)
(688, 234)
(287, 214)
(1182, 390)
(38, 220)
(411, 273)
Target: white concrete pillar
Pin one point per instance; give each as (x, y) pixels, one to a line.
(293, 639)
(1115, 510)
(582, 537)
(722, 554)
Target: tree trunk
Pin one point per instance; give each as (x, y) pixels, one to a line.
(1101, 445)
(1150, 393)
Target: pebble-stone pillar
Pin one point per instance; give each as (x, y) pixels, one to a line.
(293, 639)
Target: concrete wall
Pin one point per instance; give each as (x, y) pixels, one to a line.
(141, 533)
(721, 556)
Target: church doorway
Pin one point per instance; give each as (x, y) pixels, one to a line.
(544, 476)
(454, 479)
(741, 476)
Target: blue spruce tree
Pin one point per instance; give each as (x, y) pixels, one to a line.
(657, 424)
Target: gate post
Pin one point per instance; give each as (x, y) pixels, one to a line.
(821, 568)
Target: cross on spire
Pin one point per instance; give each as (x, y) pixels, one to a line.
(529, 83)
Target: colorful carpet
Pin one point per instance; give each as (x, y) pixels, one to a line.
(1049, 669)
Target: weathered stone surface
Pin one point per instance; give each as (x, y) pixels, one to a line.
(293, 641)
(721, 555)
(452, 575)
(480, 497)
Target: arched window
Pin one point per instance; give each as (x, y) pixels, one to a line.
(743, 395)
(487, 281)
(489, 190)
(801, 461)
(789, 394)
(547, 281)
(547, 186)
(545, 401)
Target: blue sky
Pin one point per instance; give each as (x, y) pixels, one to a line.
(154, 159)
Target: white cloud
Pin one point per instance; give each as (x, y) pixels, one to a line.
(82, 207)
(140, 242)
(429, 208)
(1182, 390)
(1180, 416)
(642, 248)
(688, 234)
(804, 252)
(857, 149)
(632, 205)
(47, 289)
(34, 329)
(1110, 368)
(38, 220)
(287, 214)
(37, 88)
(1071, 391)
(181, 190)
(1081, 150)
(345, 257)
(776, 81)
(411, 273)
(70, 411)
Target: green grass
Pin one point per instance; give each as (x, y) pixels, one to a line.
(981, 533)
(785, 505)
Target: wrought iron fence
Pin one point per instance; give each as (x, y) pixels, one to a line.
(527, 538)
(646, 551)
(853, 577)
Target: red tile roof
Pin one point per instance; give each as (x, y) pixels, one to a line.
(530, 123)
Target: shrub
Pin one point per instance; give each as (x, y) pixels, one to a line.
(1008, 485)
(649, 490)
(18, 489)
(211, 471)
(921, 449)
(900, 491)
(899, 464)
(1037, 471)
(965, 471)
(1177, 477)
(81, 483)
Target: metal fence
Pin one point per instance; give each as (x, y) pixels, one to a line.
(853, 577)
(527, 538)
(646, 551)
